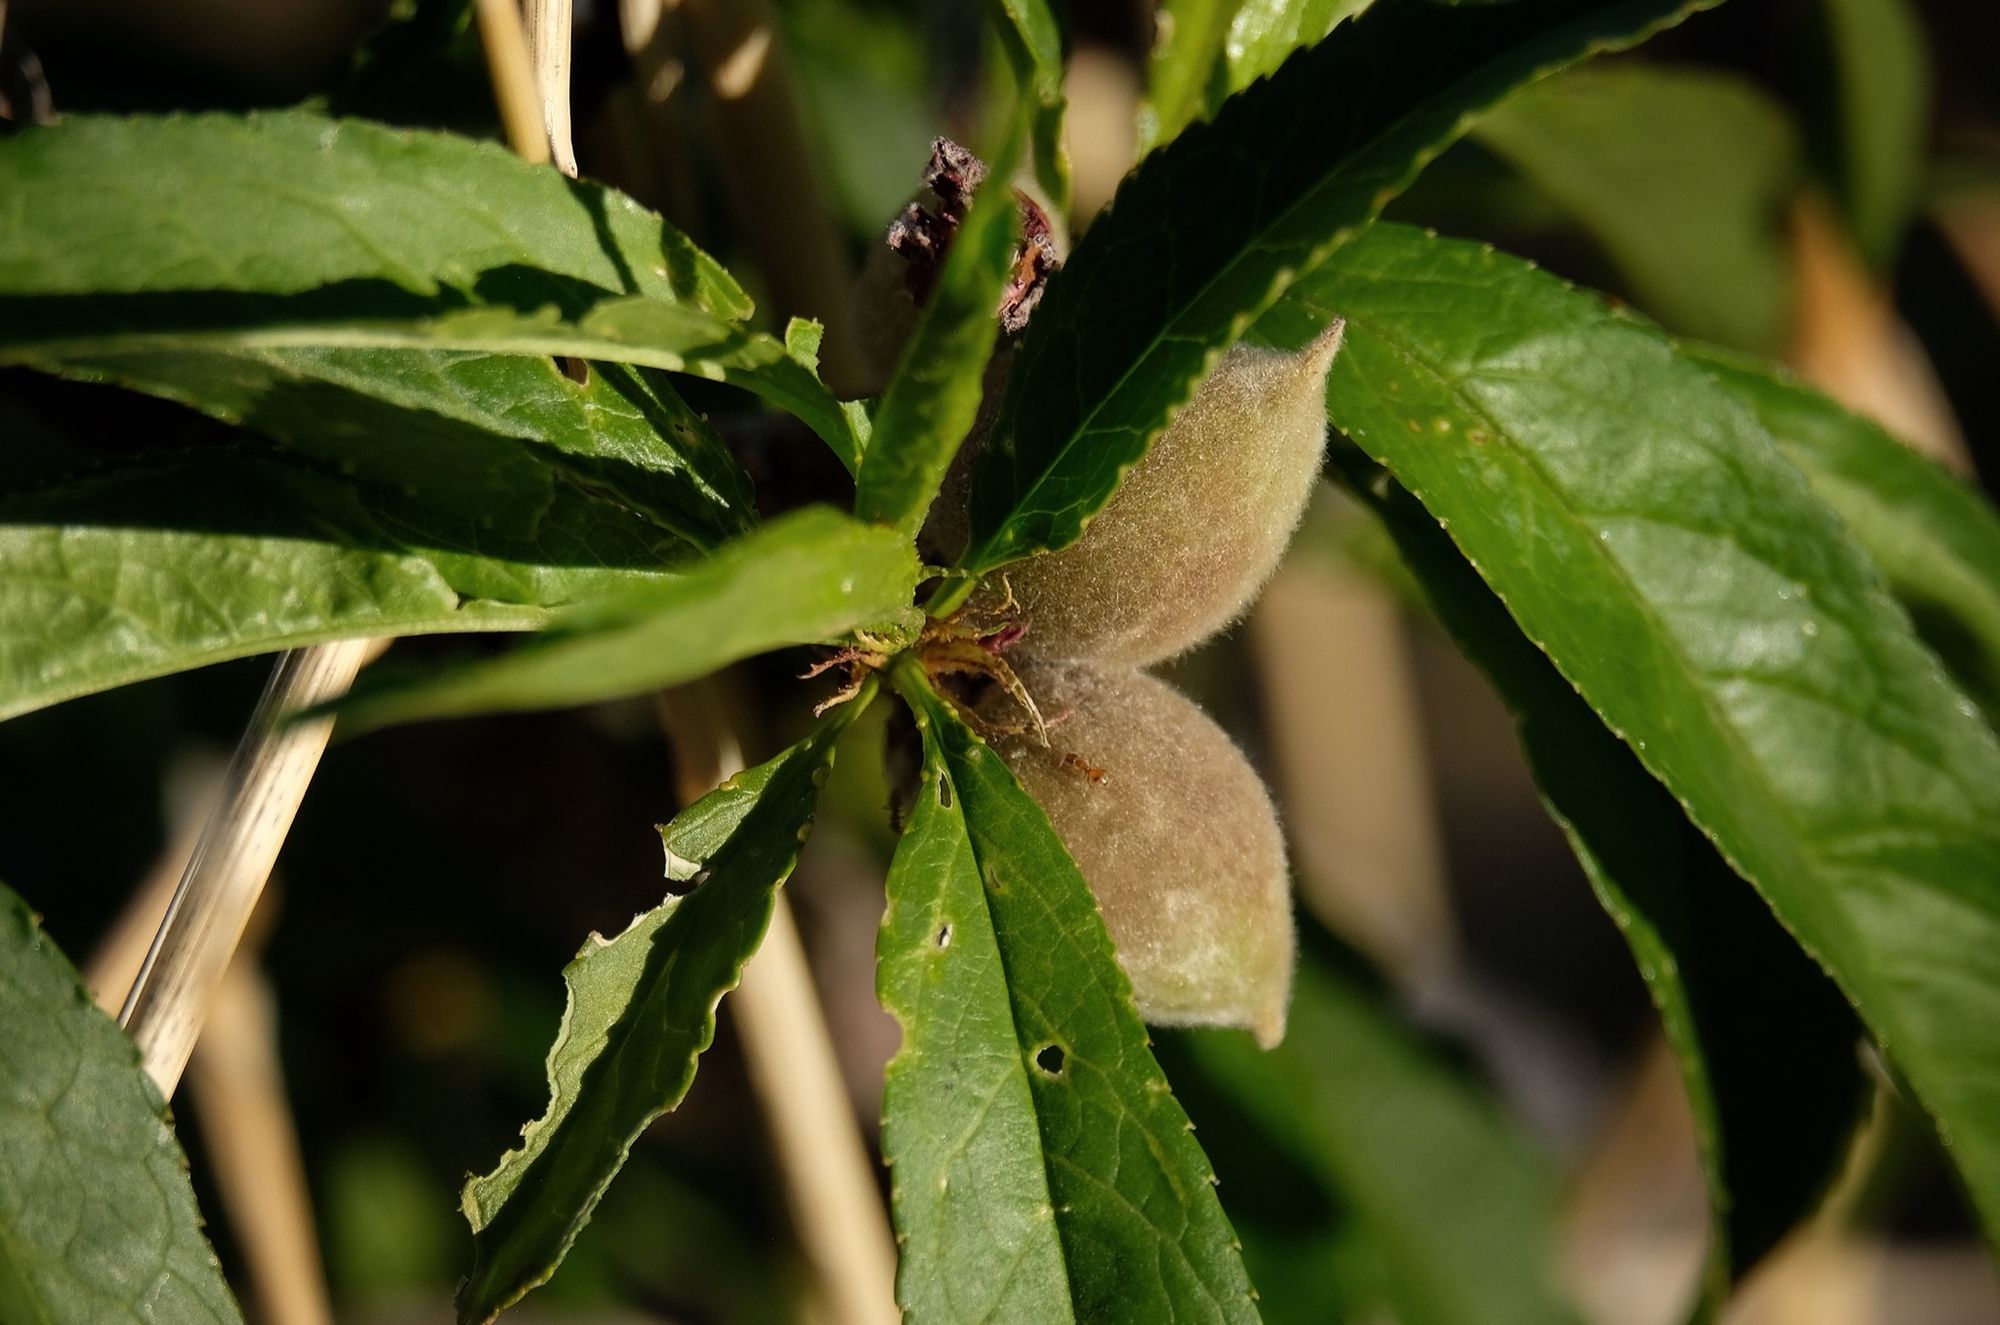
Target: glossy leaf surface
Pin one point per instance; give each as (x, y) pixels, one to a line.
(1042, 1169)
(1646, 533)
(487, 435)
(1263, 33)
(1934, 538)
(175, 562)
(167, 233)
(1183, 70)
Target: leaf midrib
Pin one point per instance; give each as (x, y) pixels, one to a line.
(1854, 949)
(1019, 1068)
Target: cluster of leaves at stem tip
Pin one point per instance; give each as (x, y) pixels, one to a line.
(1690, 577)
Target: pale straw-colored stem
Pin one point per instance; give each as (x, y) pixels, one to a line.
(253, 1150)
(549, 28)
(829, 1178)
(225, 876)
(516, 89)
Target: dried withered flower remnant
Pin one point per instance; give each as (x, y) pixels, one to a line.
(1175, 834)
(922, 237)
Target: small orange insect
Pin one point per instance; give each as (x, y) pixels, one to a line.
(1083, 766)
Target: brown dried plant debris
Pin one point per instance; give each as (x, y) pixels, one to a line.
(922, 236)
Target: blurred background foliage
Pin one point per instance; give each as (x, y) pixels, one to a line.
(1816, 181)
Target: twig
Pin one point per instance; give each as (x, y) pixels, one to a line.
(261, 791)
(515, 87)
(549, 23)
(829, 1179)
(253, 1149)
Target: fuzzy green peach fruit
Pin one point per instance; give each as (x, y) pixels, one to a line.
(1198, 525)
(1175, 834)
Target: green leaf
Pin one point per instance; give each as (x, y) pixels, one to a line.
(1163, 283)
(1446, 1200)
(1935, 539)
(807, 578)
(641, 1008)
(286, 202)
(931, 402)
(1264, 32)
(1188, 42)
(289, 230)
(487, 435)
(1034, 47)
(1646, 534)
(1764, 1041)
(186, 559)
(97, 1221)
(1042, 1169)
(1882, 77)
(1682, 175)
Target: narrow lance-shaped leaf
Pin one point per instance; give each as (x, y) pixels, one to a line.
(471, 486)
(1042, 1169)
(97, 1221)
(167, 233)
(95, 571)
(1034, 46)
(641, 1009)
(1160, 285)
(1184, 67)
(1935, 539)
(484, 434)
(1453, 1211)
(1644, 531)
(1682, 175)
(1764, 1041)
(808, 578)
(931, 402)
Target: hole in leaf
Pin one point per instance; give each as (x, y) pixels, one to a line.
(944, 793)
(944, 936)
(1049, 1058)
